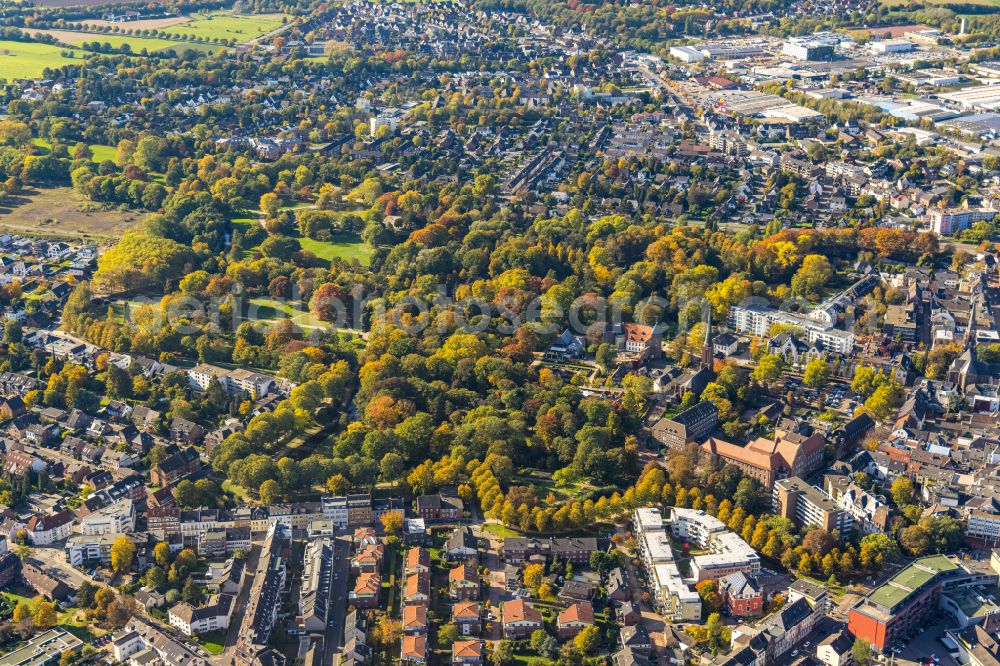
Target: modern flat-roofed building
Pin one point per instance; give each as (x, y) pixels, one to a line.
(906, 602)
(729, 553)
(43, 649)
(671, 594)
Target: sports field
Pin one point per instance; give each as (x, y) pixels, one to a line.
(27, 60)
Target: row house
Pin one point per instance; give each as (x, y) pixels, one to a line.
(365, 593)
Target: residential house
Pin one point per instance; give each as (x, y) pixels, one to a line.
(463, 582)
(467, 652)
(519, 619)
(466, 616)
(573, 619)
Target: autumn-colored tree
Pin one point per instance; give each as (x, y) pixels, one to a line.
(392, 523)
(532, 576)
(122, 553)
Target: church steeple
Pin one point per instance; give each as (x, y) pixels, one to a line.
(970, 330)
(707, 354)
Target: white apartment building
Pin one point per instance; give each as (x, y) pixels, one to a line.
(730, 554)
(670, 592)
(117, 518)
(212, 617)
(984, 526)
(238, 381)
(947, 222)
(757, 319)
(87, 551)
(335, 510)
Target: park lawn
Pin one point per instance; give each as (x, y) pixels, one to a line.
(28, 60)
(498, 530)
(227, 26)
(340, 246)
(100, 151)
(213, 642)
(269, 309)
(524, 659)
(236, 489)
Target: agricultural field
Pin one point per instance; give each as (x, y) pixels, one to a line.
(27, 60)
(137, 44)
(939, 3)
(145, 24)
(198, 32)
(62, 212)
(226, 25)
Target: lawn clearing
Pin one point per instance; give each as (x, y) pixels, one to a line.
(270, 309)
(100, 151)
(340, 246)
(213, 641)
(28, 60)
(62, 212)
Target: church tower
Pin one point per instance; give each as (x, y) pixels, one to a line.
(707, 353)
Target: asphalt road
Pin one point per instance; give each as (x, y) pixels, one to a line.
(338, 598)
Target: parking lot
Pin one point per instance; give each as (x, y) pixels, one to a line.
(53, 560)
(838, 396)
(925, 647)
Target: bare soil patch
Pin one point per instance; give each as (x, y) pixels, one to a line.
(62, 212)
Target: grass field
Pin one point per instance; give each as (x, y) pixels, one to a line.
(62, 212)
(269, 309)
(226, 25)
(938, 3)
(137, 44)
(213, 642)
(27, 60)
(101, 152)
(342, 246)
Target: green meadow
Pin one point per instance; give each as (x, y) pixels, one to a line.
(226, 25)
(28, 60)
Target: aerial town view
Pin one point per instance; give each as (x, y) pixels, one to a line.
(499, 332)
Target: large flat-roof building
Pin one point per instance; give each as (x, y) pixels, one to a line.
(43, 649)
(729, 553)
(671, 594)
(904, 603)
